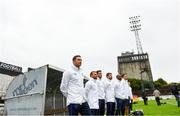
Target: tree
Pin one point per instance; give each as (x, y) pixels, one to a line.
(147, 84)
(135, 83)
(160, 82)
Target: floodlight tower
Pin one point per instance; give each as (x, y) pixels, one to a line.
(135, 26)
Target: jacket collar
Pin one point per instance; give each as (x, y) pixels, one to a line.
(76, 68)
(94, 80)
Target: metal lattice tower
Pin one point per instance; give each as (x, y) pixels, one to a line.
(136, 26)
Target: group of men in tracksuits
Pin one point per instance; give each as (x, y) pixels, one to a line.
(98, 94)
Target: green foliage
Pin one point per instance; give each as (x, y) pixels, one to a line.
(147, 84)
(157, 84)
(160, 82)
(136, 84)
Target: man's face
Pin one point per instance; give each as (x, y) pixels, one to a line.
(94, 75)
(77, 62)
(99, 74)
(109, 76)
(119, 77)
(125, 77)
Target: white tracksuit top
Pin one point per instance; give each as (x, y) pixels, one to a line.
(109, 91)
(101, 88)
(122, 89)
(72, 86)
(91, 94)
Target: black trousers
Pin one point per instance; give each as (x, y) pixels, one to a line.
(83, 109)
(101, 110)
(158, 101)
(110, 108)
(94, 112)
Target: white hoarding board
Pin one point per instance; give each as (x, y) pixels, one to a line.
(25, 94)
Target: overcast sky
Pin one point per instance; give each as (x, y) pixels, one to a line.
(38, 32)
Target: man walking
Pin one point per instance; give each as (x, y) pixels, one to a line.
(101, 93)
(91, 93)
(72, 87)
(156, 93)
(175, 91)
